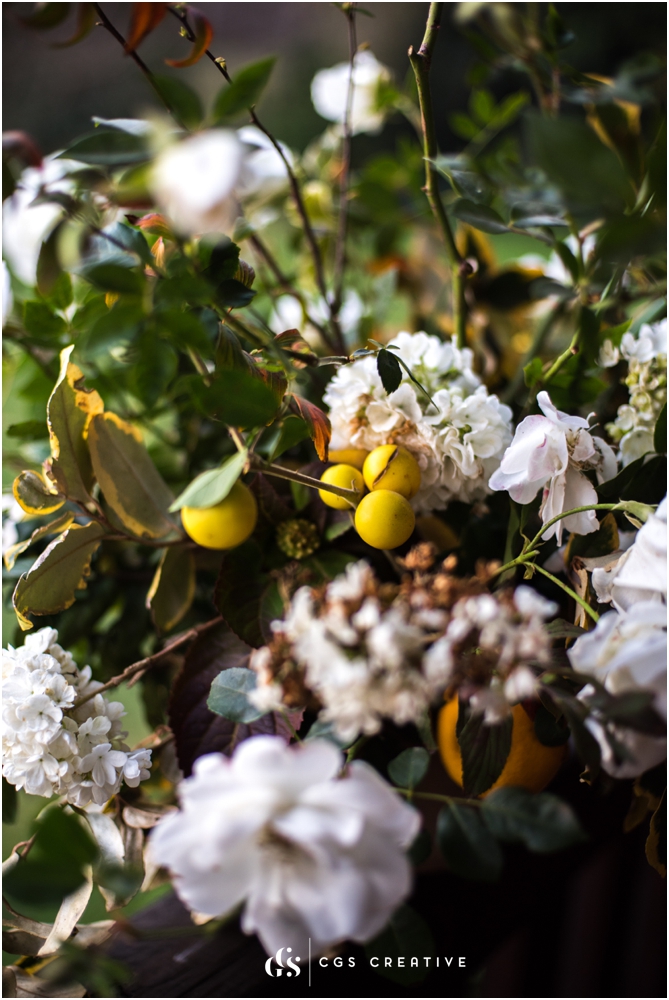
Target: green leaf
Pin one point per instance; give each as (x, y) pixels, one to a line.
(484, 750)
(587, 172)
(479, 216)
(467, 845)
(421, 849)
(532, 372)
(389, 369)
(239, 591)
(326, 731)
(47, 15)
(28, 430)
(114, 278)
(660, 436)
(210, 487)
(271, 609)
(130, 482)
(58, 524)
(644, 480)
(229, 695)
(409, 768)
(50, 584)
(182, 99)
(245, 90)
(34, 495)
(463, 179)
(56, 864)
(229, 353)
(173, 587)
(542, 822)
(39, 320)
(154, 365)
(548, 730)
(293, 430)
(326, 565)
(405, 937)
(560, 629)
(238, 399)
(338, 527)
(108, 148)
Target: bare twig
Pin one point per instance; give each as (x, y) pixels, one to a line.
(420, 63)
(340, 246)
(149, 661)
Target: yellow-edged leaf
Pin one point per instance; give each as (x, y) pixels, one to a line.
(49, 585)
(69, 412)
(58, 524)
(34, 494)
(130, 482)
(173, 587)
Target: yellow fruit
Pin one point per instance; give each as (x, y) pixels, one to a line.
(351, 456)
(226, 524)
(384, 519)
(391, 467)
(345, 476)
(530, 764)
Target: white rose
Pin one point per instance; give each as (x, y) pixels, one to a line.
(329, 92)
(549, 453)
(309, 853)
(193, 182)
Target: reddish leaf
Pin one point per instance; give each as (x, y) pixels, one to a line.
(317, 422)
(145, 17)
(20, 146)
(272, 506)
(196, 729)
(85, 23)
(276, 381)
(155, 224)
(203, 32)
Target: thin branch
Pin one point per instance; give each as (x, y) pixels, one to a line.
(298, 477)
(340, 246)
(149, 661)
(572, 593)
(420, 63)
(106, 23)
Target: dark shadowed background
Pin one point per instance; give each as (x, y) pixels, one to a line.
(52, 93)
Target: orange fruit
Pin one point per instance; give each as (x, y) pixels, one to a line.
(530, 764)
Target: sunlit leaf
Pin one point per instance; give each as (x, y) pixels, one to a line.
(34, 494)
(318, 424)
(212, 486)
(58, 524)
(69, 412)
(145, 17)
(49, 585)
(245, 89)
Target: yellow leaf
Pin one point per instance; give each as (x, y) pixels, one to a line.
(69, 412)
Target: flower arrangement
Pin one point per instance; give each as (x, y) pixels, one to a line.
(290, 461)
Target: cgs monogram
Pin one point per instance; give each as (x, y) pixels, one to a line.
(281, 968)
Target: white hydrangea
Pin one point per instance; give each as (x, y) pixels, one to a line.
(49, 746)
(634, 426)
(627, 652)
(193, 181)
(310, 853)
(329, 92)
(458, 445)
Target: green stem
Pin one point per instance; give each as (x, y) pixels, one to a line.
(572, 593)
(353, 750)
(342, 222)
(420, 63)
(567, 513)
(434, 797)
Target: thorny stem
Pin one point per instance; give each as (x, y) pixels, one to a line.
(149, 661)
(338, 342)
(420, 63)
(340, 246)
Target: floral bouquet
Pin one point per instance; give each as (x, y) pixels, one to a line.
(356, 468)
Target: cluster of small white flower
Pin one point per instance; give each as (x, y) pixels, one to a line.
(646, 355)
(48, 745)
(313, 855)
(458, 445)
(365, 662)
(551, 453)
(627, 651)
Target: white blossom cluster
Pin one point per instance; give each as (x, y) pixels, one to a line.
(458, 444)
(49, 746)
(312, 854)
(627, 651)
(366, 663)
(646, 379)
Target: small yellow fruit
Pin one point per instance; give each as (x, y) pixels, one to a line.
(392, 467)
(226, 524)
(345, 476)
(530, 764)
(384, 519)
(351, 456)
